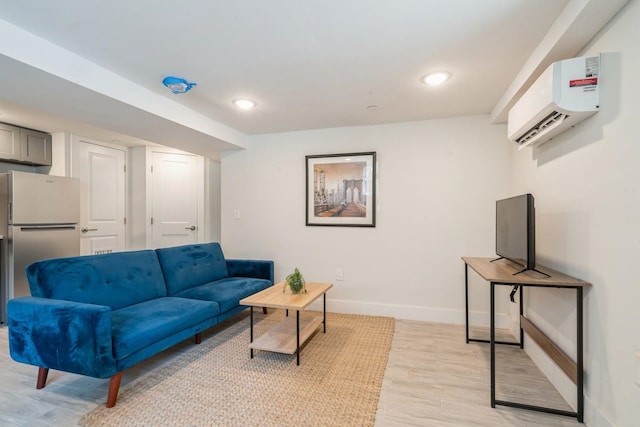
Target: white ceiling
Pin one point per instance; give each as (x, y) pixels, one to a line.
(95, 67)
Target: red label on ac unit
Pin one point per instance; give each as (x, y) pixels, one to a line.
(583, 82)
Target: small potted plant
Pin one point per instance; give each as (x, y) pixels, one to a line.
(295, 281)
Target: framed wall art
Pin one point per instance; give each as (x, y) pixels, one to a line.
(341, 189)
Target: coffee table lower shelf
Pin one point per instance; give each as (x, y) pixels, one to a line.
(282, 337)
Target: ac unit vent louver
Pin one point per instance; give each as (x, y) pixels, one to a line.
(555, 118)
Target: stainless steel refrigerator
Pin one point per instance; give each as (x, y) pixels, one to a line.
(39, 216)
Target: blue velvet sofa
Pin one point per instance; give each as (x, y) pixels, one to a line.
(97, 315)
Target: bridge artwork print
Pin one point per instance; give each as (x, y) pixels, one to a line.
(341, 189)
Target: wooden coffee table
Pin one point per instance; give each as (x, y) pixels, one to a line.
(287, 336)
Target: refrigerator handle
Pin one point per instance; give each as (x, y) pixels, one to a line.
(10, 211)
(47, 227)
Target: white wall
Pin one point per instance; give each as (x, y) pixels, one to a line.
(212, 200)
(438, 182)
(587, 188)
(437, 185)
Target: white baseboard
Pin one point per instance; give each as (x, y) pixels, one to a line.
(410, 312)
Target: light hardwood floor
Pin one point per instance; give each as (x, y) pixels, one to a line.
(432, 379)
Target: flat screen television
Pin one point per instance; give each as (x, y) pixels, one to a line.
(516, 230)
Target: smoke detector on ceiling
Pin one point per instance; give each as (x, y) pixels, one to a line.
(177, 84)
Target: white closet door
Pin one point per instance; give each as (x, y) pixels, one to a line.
(101, 171)
(175, 199)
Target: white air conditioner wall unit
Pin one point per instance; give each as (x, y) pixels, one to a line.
(565, 94)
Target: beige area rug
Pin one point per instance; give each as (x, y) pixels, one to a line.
(217, 384)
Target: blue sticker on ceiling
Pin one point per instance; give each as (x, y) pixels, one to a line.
(177, 84)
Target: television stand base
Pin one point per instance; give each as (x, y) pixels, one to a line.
(523, 270)
(531, 269)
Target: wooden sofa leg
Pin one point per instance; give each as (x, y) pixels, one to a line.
(264, 310)
(198, 338)
(42, 377)
(114, 386)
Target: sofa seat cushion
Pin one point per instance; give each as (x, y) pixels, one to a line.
(191, 265)
(227, 292)
(141, 325)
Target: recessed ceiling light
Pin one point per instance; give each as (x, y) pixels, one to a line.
(244, 104)
(435, 79)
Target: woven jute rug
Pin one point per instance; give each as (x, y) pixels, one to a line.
(217, 384)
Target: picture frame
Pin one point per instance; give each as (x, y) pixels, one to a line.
(341, 190)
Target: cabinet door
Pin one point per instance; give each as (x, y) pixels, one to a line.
(35, 147)
(9, 142)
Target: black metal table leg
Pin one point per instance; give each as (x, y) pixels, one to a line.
(466, 313)
(298, 337)
(579, 356)
(493, 345)
(251, 328)
(466, 300)
(324, 312)
(520, 319)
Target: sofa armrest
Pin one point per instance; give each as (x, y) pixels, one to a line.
(62, 335)
(258, 269)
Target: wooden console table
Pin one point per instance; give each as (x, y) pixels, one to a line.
(502, 272)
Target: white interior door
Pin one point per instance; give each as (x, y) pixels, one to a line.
(101, 171)
(174, 199)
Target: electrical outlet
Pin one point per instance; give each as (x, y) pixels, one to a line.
(339, 274)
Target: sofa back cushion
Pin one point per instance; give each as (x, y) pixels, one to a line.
(116, 280)
(191, 265)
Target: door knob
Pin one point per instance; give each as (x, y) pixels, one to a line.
(85, 229)
(192, 228)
